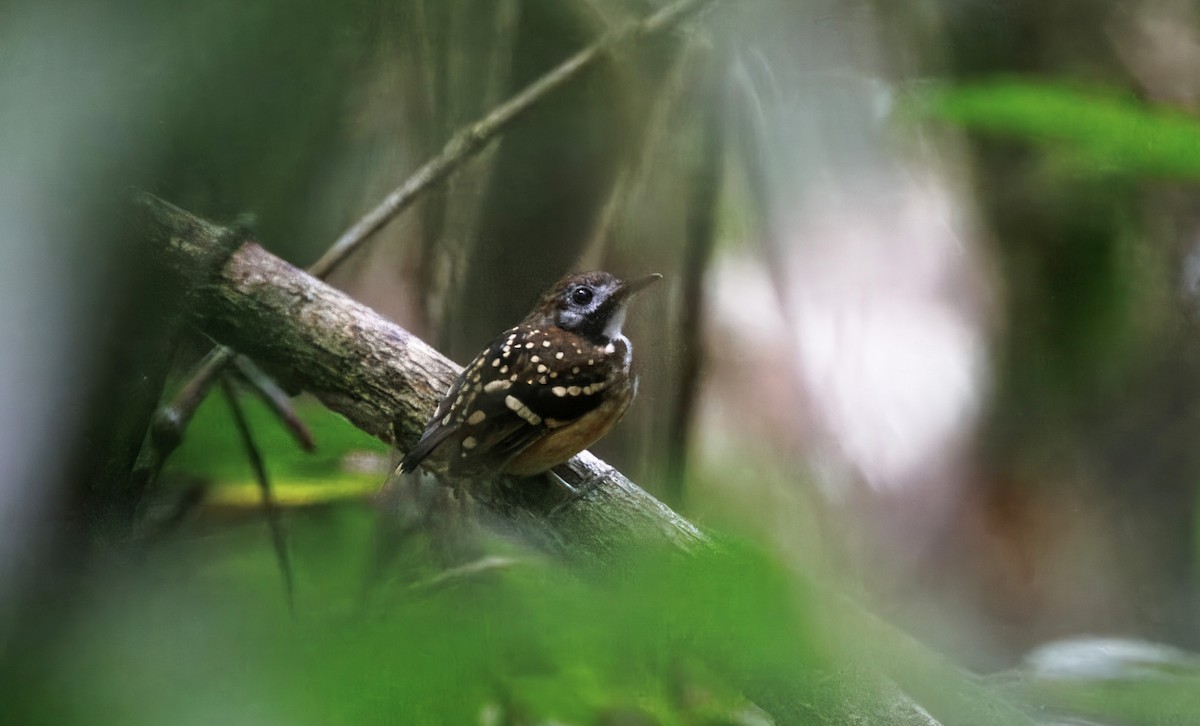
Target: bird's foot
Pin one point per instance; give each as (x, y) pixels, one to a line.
(562, 483)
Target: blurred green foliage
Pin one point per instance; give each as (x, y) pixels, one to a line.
(195, 629)
(1090, 288)
(200, 634)
(1166, 700)
(1101, 130)
(213, 451)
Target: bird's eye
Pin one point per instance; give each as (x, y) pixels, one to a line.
(582, 295)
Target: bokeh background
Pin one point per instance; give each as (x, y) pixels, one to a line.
(927, 337)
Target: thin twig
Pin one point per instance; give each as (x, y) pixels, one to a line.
(471, 139)
(274, 520)
(171, 419)
(275, 397)
(643, 158)
(701, 234)
(482, 566)
(460, 214)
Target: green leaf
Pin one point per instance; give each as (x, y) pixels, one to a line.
(1104, 130)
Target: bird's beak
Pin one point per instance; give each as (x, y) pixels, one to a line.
(631, 287)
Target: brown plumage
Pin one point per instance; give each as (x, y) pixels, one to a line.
(542, 391)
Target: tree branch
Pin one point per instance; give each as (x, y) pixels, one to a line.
(386, 381)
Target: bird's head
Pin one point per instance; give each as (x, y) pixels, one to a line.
(590, 304)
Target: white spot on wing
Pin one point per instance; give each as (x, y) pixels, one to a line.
(522, 410)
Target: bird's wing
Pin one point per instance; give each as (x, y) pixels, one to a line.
(507, 399)
(435, 433)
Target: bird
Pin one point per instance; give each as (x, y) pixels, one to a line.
(543, 390)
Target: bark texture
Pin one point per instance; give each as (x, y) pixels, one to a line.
(385, 380)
